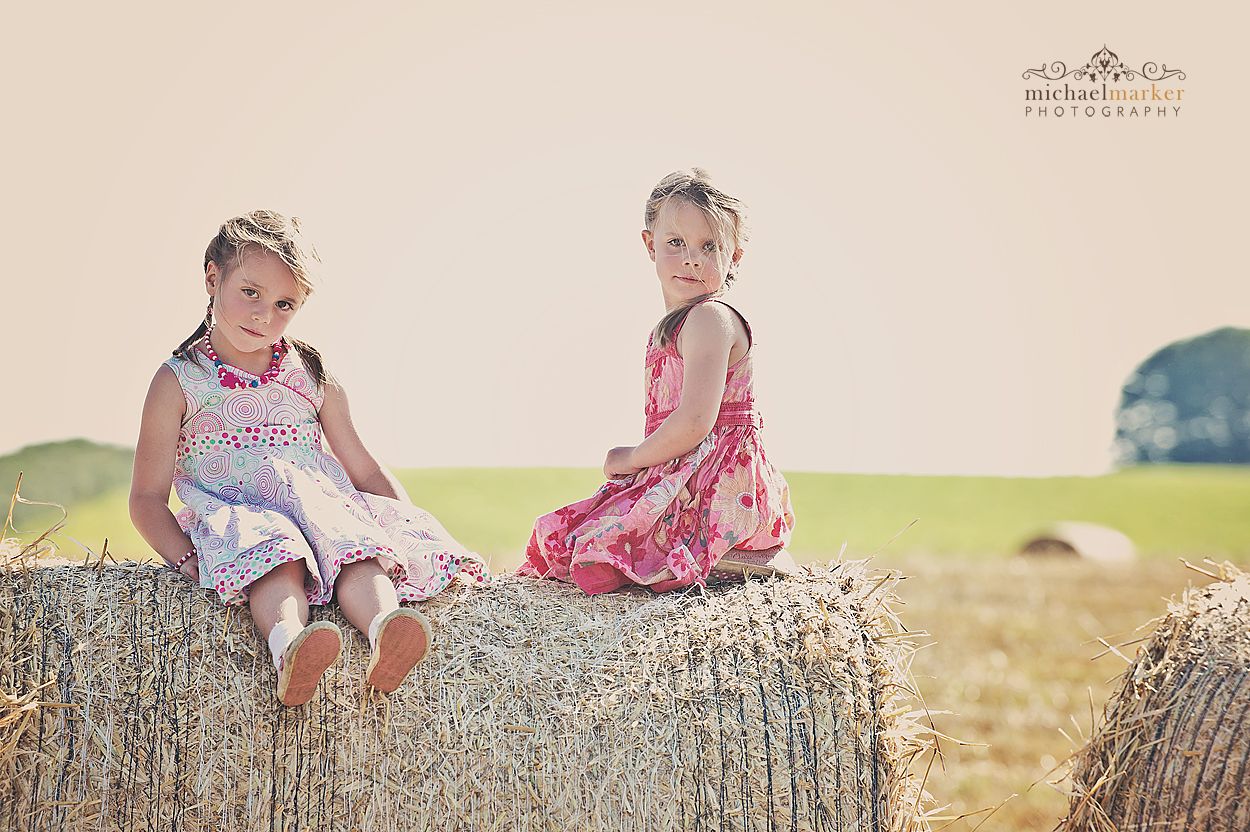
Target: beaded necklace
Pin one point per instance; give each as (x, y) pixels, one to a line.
(229, 379)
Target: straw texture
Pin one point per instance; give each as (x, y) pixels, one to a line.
(1173, 748)
(134, 701)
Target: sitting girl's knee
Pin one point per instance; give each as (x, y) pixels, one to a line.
(363, 568)
(290, 570)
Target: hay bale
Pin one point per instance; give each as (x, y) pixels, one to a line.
(135, 701)
(1101, 544)
(1172, 751)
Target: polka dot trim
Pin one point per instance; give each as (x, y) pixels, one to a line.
(305, 436)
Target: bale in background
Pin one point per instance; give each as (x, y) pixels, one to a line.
(135, 701)
(1091, 541)
(1173, 747)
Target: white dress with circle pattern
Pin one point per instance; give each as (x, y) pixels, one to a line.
(258, 491)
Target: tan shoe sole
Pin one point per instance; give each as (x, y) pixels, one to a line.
(738, 564)
(404, 638)
(305, 661)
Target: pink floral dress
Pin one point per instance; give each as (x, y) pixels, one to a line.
(259, 491)
(666, 527)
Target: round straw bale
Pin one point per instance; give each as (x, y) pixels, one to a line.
(1101, 544)
(135, 701)
(1173, 746)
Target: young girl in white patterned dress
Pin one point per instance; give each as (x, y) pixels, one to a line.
(234, 423)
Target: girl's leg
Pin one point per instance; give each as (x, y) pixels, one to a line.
(301, 652)
(364, 590)
(398, 638)
(595, 578)
(278, 596)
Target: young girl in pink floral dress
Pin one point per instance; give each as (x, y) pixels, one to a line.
(234, 423)
(697, 498)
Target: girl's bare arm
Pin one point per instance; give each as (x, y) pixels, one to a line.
(711, 335)
(365, 472)
(153, 475)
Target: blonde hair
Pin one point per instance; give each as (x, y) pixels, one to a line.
(273, 233)
(268, 231)
(726, 215)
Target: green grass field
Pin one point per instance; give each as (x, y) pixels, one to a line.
(1168, 511)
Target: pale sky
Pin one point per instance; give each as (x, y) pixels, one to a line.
(937, 283)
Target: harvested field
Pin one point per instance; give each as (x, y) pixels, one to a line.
(1013, 666)
(133, 700)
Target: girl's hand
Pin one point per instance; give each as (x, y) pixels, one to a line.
(617, 464)
(192, 570)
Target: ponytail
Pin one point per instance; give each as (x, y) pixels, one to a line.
(184, 350)
(312, 360)
(665, 332)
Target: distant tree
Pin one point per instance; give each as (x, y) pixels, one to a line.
(1189, 402)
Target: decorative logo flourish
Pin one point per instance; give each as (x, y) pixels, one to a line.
(1102, 65)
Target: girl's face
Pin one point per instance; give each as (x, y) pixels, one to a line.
(689, 258)
(253, 303)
